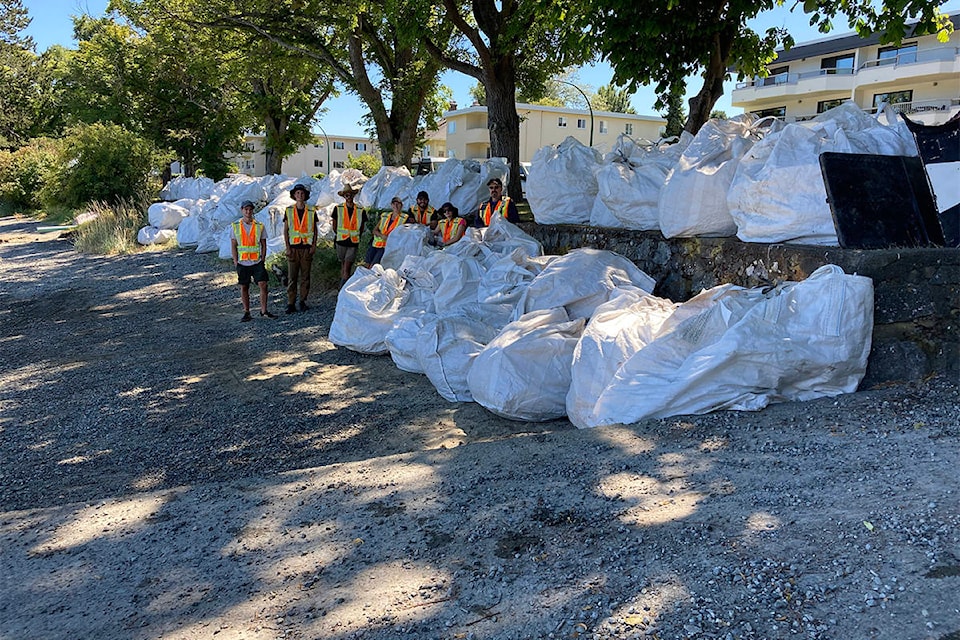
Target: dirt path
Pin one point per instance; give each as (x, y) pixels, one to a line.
(166, 472)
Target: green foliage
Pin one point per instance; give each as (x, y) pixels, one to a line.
(675, 113)
(718, 114)
(23, 173)
(479, 94)
(609, 98)
(368, 163)
(113, 228)
(103, 162)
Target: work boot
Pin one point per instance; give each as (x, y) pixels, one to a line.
(303, 306)
(246, 317)
(291, 308)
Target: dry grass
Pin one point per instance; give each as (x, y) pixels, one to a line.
(113, 230)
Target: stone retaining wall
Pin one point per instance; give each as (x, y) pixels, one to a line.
(916, 291)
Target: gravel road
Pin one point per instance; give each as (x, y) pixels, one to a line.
(168, 472)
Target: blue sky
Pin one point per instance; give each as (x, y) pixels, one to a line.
(52, 25)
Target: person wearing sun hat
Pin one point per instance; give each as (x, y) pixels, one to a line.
(450, 227)
(348, 223)
(300, 237)
(248, 245)
(388, 222)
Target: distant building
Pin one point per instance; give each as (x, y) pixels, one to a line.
(309, 159)
(920, 78)
(467, 136)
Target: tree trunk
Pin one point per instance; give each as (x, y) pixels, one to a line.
(702, 104)
(503, 122)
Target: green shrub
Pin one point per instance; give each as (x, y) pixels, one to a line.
(104, 163)
(113, 230)
(23, 173)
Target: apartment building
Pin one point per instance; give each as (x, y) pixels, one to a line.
(467, 136)
(317, 157)
(920, 77)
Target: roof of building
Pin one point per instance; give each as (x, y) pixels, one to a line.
(837, 44)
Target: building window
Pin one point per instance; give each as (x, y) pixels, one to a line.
(318, 163)
(628, 128)
(249, 146)
(316, 146)
(361, 146)
(839, 65)
(337, 144)
(603, 126)
(338, 164)
(904, 54)
(826, 105)
(561, 121)
(776, 75)
(894, 97)
(776, 112)
(452, 126)
(452, 153)
(581, 123)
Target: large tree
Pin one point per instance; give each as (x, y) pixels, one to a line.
(374, 49)
(610, 98)
(18, 74)
(143, 82)
(506, 44)
(283, 92)
(664, 41)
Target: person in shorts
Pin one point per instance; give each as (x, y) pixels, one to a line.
(248, 245)
(348, 223)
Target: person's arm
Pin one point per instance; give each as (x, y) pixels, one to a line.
(233, 250)
(512, 214)
(459, 231)
(377, 233)
(263, 244)
(286, 234)
(316, 229)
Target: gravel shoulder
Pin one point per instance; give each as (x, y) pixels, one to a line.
(168, 472)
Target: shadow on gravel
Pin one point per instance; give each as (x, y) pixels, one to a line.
(170, 473)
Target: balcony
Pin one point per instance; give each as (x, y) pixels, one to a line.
(811, 82)
(915, 65)
(926, 111)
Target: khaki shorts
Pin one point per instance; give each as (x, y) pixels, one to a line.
(346, 253)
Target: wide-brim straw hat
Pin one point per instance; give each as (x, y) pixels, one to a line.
(348, 189)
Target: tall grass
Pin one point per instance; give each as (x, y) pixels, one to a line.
(114, 229)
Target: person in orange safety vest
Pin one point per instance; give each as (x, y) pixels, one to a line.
(450, 228)
(248, 245)
(497, 204)
(300, 237)
(388, 222)
(348, 223)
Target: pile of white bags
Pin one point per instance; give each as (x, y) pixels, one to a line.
(728, 348)
(561, 185)
(366, 309)
(778, 193)
(693, 200)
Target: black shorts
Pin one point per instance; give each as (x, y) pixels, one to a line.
(374, 255)
(256, 272)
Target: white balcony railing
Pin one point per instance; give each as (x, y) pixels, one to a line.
(908, 108)
(939, 54)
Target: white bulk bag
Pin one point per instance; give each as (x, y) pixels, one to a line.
(778, 193)
(502, 236)
(619, 328)
(561, 184)
(446, 348)
(600, 214)
(580, 281)
(457, 287)
(800, 341)
(524, 373)
(208, 236)
(153, 235)
(405, 240)
(402, 340)
(506, 278)
(166, 215)
(188, 233)
(366, 309)
(693, 200)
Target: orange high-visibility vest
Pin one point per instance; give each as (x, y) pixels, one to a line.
(248, 242)
(348, 226)
(449, 227)
(486, 211)
(423, 217)
(385, 227)
(300, 228)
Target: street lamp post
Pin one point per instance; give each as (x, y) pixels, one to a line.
(589, 106)
(327, 145)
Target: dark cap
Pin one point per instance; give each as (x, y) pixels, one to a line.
(424, 195)
(299, 187)
(496, 181)
(247, 203)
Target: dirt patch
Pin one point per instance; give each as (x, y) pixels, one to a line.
(168, 472)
